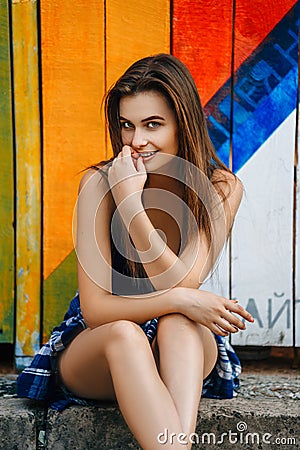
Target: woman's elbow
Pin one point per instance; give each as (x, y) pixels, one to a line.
(190, 281)
(92, 316)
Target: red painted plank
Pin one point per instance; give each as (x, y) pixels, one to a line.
(202, 39)
(253, 21)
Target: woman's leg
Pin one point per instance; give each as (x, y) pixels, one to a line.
(187, 354)
(116, 360)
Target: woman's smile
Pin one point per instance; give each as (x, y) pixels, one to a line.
(145, 155)
(148, 126)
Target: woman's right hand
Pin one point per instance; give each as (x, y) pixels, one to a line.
(127, 176)
(213, 311)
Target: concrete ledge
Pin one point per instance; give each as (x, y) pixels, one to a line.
(20, 422)
(238, 423)
(249, 424)
(88, 428)
(264, 415)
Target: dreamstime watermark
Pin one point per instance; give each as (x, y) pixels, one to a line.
(240, 435)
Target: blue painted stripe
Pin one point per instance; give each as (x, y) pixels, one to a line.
(265, 92)
(269, 114)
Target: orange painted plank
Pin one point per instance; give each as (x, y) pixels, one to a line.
(134, 29)
(202, 36)
(72, 35)
(73, 84)
(28, 174)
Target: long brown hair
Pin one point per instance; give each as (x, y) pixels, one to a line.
(167, 75)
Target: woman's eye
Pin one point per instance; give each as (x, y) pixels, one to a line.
(153, 124)
(126, 125)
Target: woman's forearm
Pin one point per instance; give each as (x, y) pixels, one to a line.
(105, 308)
(163, 266)
(203, 307)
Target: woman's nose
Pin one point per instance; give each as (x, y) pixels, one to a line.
(139, 138)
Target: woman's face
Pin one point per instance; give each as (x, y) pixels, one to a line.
(148, 126)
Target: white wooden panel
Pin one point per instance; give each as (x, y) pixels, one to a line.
(262, 241)
(297, 271)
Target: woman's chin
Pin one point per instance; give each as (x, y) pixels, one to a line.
(162, 163)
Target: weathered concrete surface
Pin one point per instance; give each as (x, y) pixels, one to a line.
(228, 424)
(20, 421)
(249, 424)
(86, 428)
(265, 415)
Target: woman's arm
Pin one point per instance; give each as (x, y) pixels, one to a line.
(99, 306)
(164, 268)
(94, 211)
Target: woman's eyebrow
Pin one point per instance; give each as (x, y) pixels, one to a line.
(144, 120)
(153, 118)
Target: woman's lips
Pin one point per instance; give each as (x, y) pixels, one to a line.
(148, 155)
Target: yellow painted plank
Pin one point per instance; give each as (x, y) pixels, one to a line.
(134, 29)
(6, 192)
(72, 35)
(28, 178)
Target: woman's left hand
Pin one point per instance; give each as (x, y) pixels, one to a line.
(125, 177)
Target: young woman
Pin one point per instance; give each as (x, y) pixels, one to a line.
(150, 224)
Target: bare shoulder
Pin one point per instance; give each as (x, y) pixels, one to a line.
(227, 184)
(93, 175)
(94, 193)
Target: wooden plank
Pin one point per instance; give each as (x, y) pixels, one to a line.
(73, 52)
(262, 243)
(202, 36)
(7, 188)
(208, 58)
(297, 238)
(73, 69)
(264, 111)
(58, 290)
(254, 22)
(28, 179)
(73, 86)
(209, 61)
(134, 30)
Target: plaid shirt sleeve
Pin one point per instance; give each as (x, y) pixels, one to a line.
(38, 381)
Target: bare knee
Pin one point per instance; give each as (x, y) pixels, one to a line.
(125, 334)
(175, 323)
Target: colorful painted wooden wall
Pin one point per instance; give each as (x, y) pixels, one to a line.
(58, 58)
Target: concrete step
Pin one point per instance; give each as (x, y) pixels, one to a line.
(264, 415)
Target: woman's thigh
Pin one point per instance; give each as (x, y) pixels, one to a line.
(83, 367)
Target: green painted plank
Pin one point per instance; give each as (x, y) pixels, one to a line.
(59, 288)
(6, 191)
